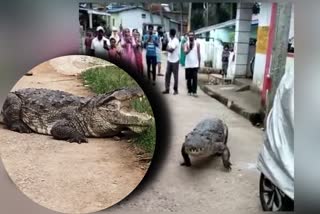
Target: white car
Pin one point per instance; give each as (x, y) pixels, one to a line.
(276, 160)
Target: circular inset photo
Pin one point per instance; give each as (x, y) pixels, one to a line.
(77, 134)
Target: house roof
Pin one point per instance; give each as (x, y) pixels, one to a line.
(229, 23)
(95, 12)
(119, 10)
(175, 21)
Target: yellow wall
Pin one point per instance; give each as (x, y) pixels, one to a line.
(262, 40)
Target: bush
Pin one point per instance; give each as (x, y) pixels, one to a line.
(104, 79)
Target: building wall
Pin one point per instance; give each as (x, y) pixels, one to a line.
(133, 19)
(167, 24)
(262, 42)
(175, 26)
(222, 34)
(211, 51)
(116, 19)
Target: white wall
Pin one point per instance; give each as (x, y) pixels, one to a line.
(291, 32)
(222, 34)
(117, 20)
(259, 69)
(211, 50)
(133, 19)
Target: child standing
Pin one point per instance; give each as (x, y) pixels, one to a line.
(225, 60)
(114, 51)
(87, 43)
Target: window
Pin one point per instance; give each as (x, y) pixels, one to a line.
(113, 22)
(143, 15)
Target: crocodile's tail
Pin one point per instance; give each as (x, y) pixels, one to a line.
(226, 133)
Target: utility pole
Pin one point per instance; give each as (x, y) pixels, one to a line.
(161, 16)
(206, 7)
(181, 18)
(231, 11)
(189, 16)
(90, 17)
(279, 49)
(150, 10)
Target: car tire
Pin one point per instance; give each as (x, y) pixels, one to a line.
(272, 198)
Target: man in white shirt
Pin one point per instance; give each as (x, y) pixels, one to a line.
(192, 63)
(100, 44)
(172, 63)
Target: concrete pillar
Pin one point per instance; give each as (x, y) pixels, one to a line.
(242, 38)
(264, 38)
(279, 50)
(90, 21)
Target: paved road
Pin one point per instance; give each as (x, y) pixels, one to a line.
(206, 186)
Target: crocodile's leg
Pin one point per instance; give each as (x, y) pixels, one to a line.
(226, 158)
(11, 114)
(63, 130)
(185, 156)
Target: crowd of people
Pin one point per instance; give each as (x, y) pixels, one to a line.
(127, 46)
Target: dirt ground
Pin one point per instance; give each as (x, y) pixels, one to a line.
(69, 178)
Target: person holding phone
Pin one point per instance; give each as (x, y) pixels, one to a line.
(150, 41)
(100, 44)
(172, 63)
(192, 63)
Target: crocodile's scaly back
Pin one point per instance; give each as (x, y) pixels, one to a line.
(212, 128)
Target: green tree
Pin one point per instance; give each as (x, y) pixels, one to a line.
(218, 12)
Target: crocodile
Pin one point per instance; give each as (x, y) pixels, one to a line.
(74, 118)
(208, 138)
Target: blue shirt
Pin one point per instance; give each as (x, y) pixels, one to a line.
(151, 46)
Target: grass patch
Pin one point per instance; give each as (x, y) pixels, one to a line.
(104, 79)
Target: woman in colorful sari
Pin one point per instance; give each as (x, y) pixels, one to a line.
(128, 45)
(138, 52)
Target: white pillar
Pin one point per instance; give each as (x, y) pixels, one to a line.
(90, 20)
(242, 38)
(263, 31)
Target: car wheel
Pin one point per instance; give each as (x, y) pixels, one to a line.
(272, 198)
